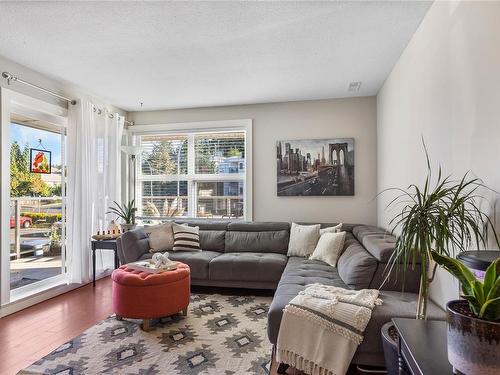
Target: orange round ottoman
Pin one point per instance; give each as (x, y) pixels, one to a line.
(142, 295)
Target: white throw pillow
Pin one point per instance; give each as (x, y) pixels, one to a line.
(303, 240)
(329, 248)
(160, 237)
(186, 237)
(337, 228)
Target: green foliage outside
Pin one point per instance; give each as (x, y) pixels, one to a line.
(163, 159)
(234, 151)
(206, 148)
(23, 183)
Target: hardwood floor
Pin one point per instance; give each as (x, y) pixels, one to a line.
(32, 333)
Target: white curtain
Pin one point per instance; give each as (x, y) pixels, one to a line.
(93, 183)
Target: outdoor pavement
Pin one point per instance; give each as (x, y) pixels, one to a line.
(29, 270)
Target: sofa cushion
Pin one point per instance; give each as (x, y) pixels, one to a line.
(250, 226)
(298, 273)
(213, 240)
(205, 224)
(355, 265)
(301, 272)
(409, 282)
(248, 266)
(256, 241)
(395, 304)
(132, 245)
(196, 260)
(376, 241)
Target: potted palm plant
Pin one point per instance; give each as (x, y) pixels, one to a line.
(441, 216)
(126, 212)
(473, 322)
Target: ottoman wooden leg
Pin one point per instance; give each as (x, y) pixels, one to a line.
(146, 325)
(185, 312)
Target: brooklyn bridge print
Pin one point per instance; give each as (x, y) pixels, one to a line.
(315, 167)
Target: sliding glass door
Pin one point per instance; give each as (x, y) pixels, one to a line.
(33, 196)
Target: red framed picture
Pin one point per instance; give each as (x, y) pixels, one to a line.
(40, 161)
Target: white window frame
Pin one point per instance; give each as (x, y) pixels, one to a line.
(134, 132)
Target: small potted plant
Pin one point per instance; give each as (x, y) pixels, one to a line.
(126, 213)
(473, 322)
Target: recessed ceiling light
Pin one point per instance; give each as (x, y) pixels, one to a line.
(354, 86)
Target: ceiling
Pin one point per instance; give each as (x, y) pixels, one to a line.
(198, 54)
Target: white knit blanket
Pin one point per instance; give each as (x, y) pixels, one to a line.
(322, 327)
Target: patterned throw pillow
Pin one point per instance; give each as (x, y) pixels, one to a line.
(186, 238)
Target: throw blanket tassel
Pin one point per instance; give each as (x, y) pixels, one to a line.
(300, 363)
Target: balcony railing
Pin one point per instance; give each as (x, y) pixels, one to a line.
(35, 224)
(36, 233)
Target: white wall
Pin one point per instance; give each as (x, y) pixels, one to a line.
(446, 87)
(299, 120)
(60, 87)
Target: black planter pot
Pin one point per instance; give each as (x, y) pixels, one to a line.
(390, 346)
(473, 344)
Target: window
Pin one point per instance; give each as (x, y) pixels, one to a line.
(33, 252)
(197, 174)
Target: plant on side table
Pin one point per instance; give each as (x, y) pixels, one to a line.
(473, 322)
(126, 212)
(442, 217)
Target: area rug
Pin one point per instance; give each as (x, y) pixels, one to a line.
(221, 335)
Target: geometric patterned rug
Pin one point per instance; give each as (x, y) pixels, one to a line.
(221, 335)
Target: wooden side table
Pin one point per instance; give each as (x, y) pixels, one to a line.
(103, 245)
(423, 346)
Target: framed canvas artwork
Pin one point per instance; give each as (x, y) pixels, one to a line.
(315, 167)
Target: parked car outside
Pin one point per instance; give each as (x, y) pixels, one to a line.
(24, 222)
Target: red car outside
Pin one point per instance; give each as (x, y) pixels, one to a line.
(24, 222)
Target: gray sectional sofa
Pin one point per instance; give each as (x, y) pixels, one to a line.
(253, 255)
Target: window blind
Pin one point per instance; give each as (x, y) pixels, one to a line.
(193, 174)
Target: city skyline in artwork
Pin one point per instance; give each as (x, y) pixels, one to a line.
(315, 167)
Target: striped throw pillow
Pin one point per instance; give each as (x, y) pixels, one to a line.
(186, 238)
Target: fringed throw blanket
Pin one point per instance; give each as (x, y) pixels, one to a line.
(322, 327)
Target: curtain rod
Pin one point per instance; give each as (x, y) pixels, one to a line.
(9, 77)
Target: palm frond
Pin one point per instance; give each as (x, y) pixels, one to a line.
(442, 217)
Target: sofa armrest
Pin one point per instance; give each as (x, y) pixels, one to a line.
(132, 245)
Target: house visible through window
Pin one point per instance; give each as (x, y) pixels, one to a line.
(196, 174)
